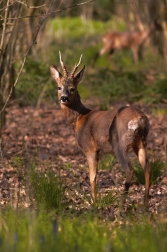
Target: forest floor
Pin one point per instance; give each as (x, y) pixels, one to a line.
(43, 139)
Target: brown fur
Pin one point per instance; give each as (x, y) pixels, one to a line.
(100, 132)
(125, 40)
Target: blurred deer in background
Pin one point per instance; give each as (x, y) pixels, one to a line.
(127, 40)
(100, 132)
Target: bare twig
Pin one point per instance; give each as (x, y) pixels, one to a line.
(42, 19)
(17, 1)
(1, 50)
(15, 101)
(51, 13)
(4, 28)
(31, 7)
(42, 94)
(7, 6)
(24, 60)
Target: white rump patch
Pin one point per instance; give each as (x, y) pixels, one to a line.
(133, 124)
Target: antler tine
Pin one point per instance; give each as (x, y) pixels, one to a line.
(76, 66)
(63, 66)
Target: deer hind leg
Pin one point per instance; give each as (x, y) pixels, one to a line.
(125, 163)
(92, 159)
(142, 156)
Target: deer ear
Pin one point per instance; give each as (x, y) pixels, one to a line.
(79, 75)
(55, 73)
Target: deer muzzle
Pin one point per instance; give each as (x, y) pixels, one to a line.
(64, 99)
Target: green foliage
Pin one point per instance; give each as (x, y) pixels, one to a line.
(106, 162)
(159, 110)
(33, 80)
(141, 237)
(108, 200)
(23, 230)
(17, 162)
(48, 190)
(63, 27)
(67, 26)
(85, 40)
(107, 79)
(108, 6)
(30, 231)
(157, 91)
(157, 168)
(113, 85)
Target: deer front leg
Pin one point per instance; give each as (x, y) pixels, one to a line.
(125, 163)
(92, 159)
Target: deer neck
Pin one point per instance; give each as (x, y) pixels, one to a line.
(74, 111)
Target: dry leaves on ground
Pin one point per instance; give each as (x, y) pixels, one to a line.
(43, 138)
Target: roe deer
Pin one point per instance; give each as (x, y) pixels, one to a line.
(100, 132)
(126, 40)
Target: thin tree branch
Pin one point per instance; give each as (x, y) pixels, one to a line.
(4, 27)
(17, 1)
(24, 60)
(42, 19)
(1, 50)
(51, 13)
(31, 7)
(7, 6)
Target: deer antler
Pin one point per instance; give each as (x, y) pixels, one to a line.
(63, 66)
(76, 66)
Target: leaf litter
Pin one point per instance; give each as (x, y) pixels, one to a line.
(42, 138)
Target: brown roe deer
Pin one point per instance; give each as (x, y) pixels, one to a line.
(126, 40)
(100, 132)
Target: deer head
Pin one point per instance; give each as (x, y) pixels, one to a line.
(67, 83)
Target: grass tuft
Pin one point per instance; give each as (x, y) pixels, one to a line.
(157, 168)
(48, 190)
(106, 162)
(107, 201)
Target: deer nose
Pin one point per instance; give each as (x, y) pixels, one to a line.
(64, 98)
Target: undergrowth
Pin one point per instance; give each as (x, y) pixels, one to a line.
(50, 226)
(48, 190)
(47, 228)
(157, 169)
(106, 162)
(27, 230)
(109, 80)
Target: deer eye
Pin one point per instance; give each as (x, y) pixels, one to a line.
(72, 90)
(59, 88)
